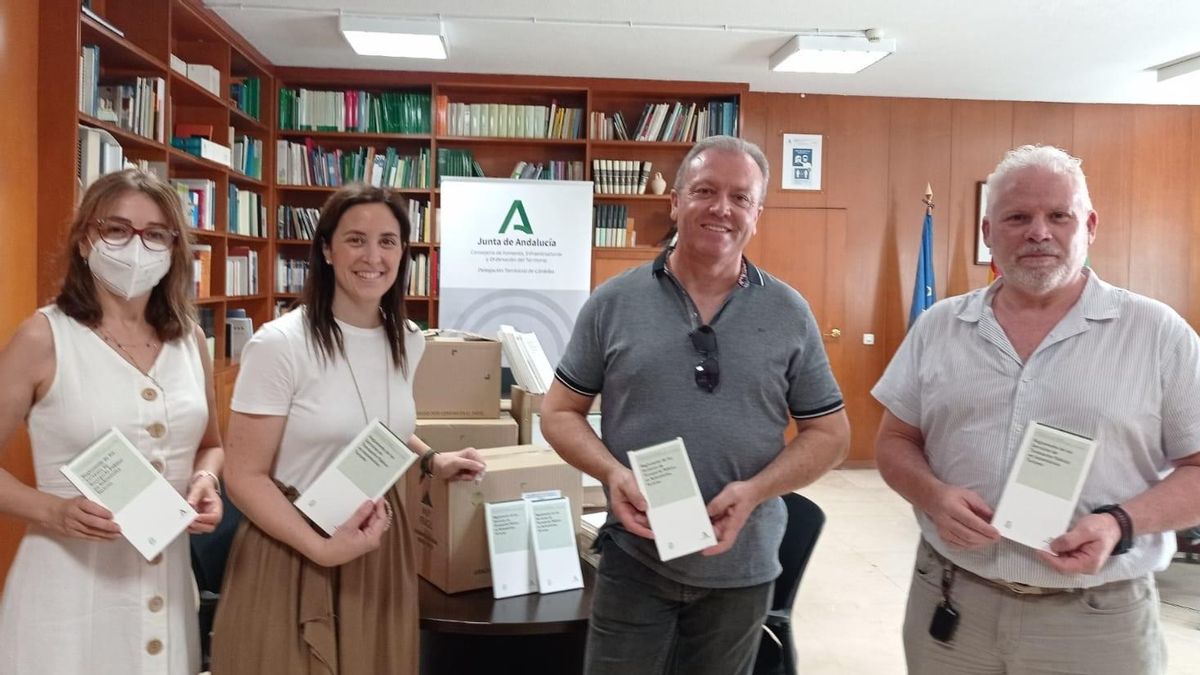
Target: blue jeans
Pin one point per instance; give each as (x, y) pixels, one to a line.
(645, 624)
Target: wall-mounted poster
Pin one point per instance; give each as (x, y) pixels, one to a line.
(801, 162)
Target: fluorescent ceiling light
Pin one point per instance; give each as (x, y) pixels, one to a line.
(829, 54)
(1186, 66)
(401, 38)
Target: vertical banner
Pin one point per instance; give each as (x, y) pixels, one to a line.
(515, 252)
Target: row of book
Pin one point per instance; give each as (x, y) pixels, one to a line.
(676, 122)
(246, 93)
(525, 357)
(205, 75)
(309, 164)
(199, 198)
(99, 153)
(508, 120)
(620, 176)
(247, 156)
(201, 270)
(552, 170)
(298, 222)
(239, 328)
(389, 112)
(451, 162)
(241, 271)
(423, 274)
(247, 213)
(612, 226)
(290, 274)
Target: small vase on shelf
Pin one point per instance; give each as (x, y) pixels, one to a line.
(657, 184)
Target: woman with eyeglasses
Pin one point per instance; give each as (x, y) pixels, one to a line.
(119, 347)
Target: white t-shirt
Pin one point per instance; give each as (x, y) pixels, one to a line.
(282, 373)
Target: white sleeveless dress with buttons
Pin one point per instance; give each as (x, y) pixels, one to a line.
(76, 606)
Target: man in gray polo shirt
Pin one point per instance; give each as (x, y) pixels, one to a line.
(703, 345)
(1048, 342)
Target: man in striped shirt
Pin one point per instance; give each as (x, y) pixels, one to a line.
(1048, 342)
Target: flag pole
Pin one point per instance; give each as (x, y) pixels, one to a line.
(928, 200)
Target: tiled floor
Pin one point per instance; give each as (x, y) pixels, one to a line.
(850, 606)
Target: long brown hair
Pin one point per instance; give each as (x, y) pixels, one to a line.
(320, 284)
(170, 310)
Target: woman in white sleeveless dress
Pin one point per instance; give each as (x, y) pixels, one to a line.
(118, 348)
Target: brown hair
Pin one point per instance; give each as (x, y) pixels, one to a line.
(320, 284)
(170, 310)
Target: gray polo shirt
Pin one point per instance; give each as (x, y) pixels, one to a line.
(1118, 367)
(631, 344)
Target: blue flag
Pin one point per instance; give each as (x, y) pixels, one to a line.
(924, 293)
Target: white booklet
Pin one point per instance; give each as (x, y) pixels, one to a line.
(677, 513)
(113, 473)
(510, 548)
(554, 546)
(365, 469)
(1043, 487)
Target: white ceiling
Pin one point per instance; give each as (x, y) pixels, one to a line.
(1026, 50)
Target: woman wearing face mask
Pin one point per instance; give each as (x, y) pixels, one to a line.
(294, 601)
(118, 348)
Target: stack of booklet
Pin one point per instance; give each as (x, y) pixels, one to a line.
(529, 364)
(589, 527)
(531, 545)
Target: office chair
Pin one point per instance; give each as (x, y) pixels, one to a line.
(805, 520)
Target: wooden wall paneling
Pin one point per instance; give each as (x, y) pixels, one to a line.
(1161, 237)
(1104, 141)
(19, 194)
(856, 180)
(919, 154)
(796, 114)
(1193, 313)
(981, 134)
(1043, 123)
(754, 118)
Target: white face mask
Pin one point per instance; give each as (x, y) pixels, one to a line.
(130, 270)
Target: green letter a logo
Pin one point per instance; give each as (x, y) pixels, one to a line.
(522, 224)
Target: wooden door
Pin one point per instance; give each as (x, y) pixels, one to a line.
(806, 248)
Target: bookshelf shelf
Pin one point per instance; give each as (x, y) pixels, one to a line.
(186, 92)
(244, 180)
(207, 234)
(126, 138)
(631, 198)
(190, 161)
(118, 52)
(245, 298)
(349, 136)
(526, 142)
(245, 123)
(641, 145)
(293, 242)
(247, 239)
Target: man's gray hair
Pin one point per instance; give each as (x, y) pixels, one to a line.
(725, 144)
(1045, 157)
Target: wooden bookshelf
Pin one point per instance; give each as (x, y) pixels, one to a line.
(153, 31)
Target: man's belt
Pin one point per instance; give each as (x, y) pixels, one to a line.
(1013, 587)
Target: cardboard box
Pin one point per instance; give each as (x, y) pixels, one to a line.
(442, 434)
(448, 522)
(458, 377)
(524, 405)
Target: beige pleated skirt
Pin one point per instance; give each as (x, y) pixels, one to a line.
(281, 614)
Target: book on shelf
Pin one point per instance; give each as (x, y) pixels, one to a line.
(247, 213)
(290, 274)
(509, 120)
(309, 164)
(89, 78)
(241, 271)
(204, 149)
(201, 270)
(620, 176)
(612, 226)
(247, 154)
(452, 162)
(239, 328)
(199, 199)
(205, 75)
(97, 153)
(389, 112)
(296, 222)
(246, 94)
(178, 65)
(552, 170)
(138, 107)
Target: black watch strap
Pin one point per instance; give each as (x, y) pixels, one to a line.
(1126, 524)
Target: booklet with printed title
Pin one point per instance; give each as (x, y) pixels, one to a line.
(1043, 487)
(113, 473)
(365, 469)
(510, 548)
(677, 513)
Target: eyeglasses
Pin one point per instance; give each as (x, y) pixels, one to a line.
(708, 371)
(118, 231)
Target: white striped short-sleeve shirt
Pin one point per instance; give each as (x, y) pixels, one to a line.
(1119, 367)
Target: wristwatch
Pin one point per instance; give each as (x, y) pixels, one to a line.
(1126, 524)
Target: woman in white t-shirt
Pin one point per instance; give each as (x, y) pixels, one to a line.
(119, 348)
(295, 601)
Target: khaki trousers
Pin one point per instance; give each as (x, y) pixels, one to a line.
(1108, 630)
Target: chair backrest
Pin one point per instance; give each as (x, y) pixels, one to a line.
(805, 520)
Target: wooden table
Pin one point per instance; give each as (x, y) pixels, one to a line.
(472, 632)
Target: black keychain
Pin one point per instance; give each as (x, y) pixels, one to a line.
(945, 618)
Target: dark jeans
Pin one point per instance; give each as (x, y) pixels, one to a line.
(645, 624)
